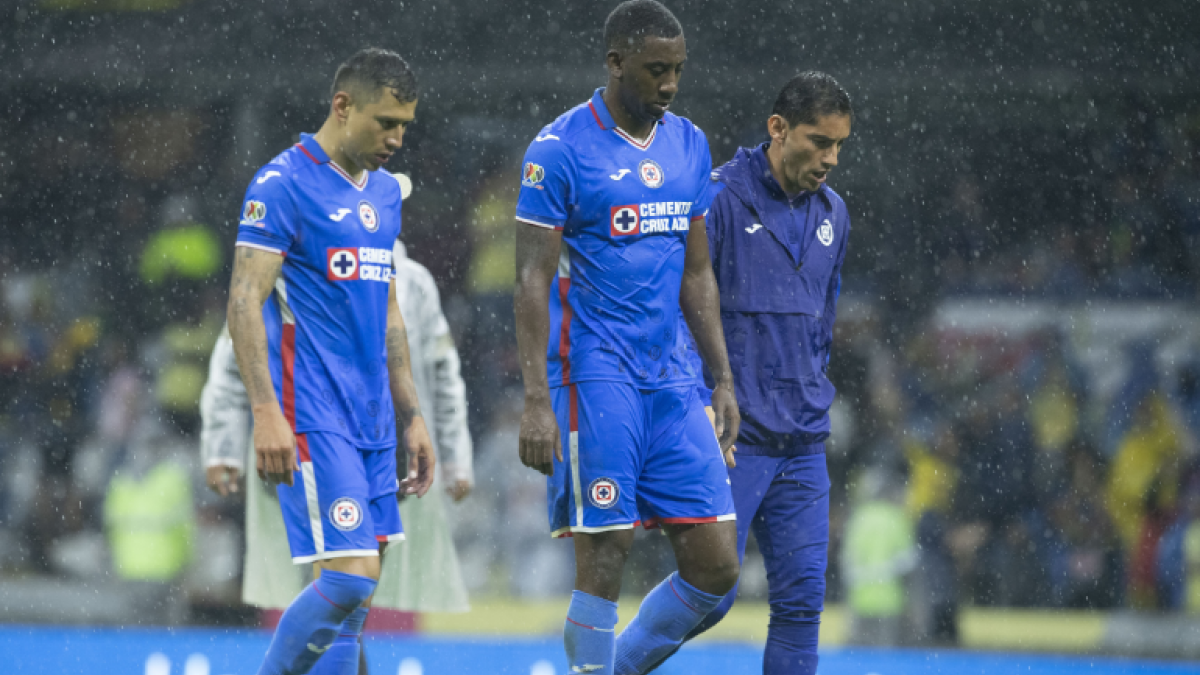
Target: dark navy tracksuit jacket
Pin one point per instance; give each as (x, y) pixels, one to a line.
(778, 265)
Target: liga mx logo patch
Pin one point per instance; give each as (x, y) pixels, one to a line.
(603, 493)
(253, 212)
(650, 173)
(368, 216)
(532, 175)
(345, 514)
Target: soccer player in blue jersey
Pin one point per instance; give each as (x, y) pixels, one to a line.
(611, 245)
(321, 347)
(777, 234)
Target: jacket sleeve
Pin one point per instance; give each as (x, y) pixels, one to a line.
(831, 298)
(224, 410)
(449, 414)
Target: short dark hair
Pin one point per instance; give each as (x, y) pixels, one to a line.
(809, 96)
(366, 74)
(635, 20)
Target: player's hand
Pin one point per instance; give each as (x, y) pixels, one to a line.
(274, 447)
(459, 490)
(730, 462)
(727, 419)
(421, 459)
(540, 443)
(222, 479)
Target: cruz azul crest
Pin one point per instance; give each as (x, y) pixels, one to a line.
(825, 232)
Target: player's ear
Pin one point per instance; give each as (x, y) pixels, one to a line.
(615, 64)
(341, 106)
(777, 128)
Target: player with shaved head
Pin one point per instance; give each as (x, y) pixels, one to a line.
(611, 245)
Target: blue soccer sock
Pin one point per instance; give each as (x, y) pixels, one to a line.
(588, 634)
(792, 645)
(672, 609)
(311, 623)
(342, 657)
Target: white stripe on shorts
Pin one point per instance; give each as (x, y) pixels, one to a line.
(314, 508)
(573, 442)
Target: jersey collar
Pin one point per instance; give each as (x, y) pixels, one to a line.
(312, 149)
(308, 145)
(606, 122)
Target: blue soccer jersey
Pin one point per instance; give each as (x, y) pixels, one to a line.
(624, 207)
(327, 318)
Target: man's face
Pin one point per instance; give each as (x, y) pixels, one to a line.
(809, 151)
(650, 76)
(375, 130)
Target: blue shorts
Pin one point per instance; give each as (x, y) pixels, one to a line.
(634, 456)
(342, 502)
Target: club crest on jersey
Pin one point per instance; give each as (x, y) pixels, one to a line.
(345, 514)
(603, 492)
(825, 232)
(253, 212)
(623, 220)
(532, 175)
(342, 264)
(650, 173)
(368, 216)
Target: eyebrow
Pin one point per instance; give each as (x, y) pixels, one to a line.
(397, 120)
(664, 64)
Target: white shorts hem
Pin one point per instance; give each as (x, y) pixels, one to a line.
(571, 529)
(329, 555)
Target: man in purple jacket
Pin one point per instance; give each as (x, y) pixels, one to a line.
(777, 236)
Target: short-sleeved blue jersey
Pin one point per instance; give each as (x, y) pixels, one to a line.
(624, 207)
(327, 317)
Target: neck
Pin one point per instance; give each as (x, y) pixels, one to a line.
(626, 121)
(775, 161)
(328, 137)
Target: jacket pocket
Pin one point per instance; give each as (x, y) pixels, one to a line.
(800, 406)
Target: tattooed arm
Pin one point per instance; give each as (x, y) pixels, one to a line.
(410, 425)
(254, 274)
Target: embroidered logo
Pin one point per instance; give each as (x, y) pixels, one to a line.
(825, 232)
(532, 175)
(368, 216)
(650, 173)
(603, 492)
(253, 212)
(345, 514)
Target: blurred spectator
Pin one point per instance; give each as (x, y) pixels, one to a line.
(878, 553)
(1084, 555)
(1143, 488)
(148, 512)
(933, 479)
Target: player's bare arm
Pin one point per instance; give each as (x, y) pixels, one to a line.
(537, 260)
(254, 274)
(700, 301)
(410, 423)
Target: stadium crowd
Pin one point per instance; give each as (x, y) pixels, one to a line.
(1008, 471)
